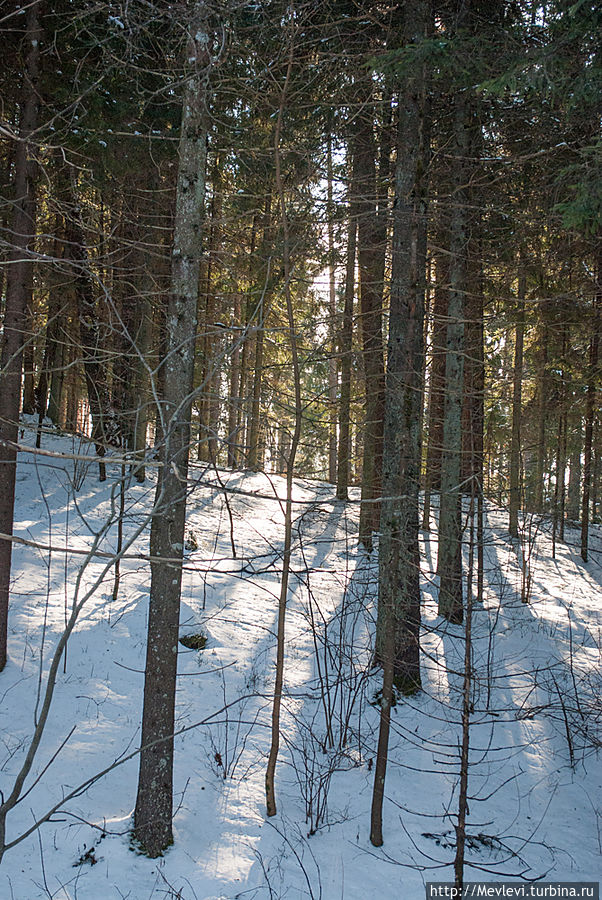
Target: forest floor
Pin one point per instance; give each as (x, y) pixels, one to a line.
(535, 777)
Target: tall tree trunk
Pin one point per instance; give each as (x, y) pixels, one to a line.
(399, 557)
(596, 468)
(234, 392)
(52, 358)
(346, 343)
(132, 290)
(575, 441)
(247, 323)
(372, 234)
(261, 302)
(473, 408)
(449, 561)
(290, 466)
(161, 339)
(72, 390)
(467, 708)
(153, 813)
(517, 386)
(210, 405)
(560, 488)
(590, 412)
(399, 570)
(123, 313)
(5, 220)
(138, 394)
(29, 393)
(473, 399)
(57, 326)
(542, 394)
(104, 427)
(478, 425)
(436, 385)
(332, 316)
(18, 296)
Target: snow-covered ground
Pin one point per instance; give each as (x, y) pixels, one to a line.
(535, 779)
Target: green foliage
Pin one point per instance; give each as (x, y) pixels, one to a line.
(581, 182)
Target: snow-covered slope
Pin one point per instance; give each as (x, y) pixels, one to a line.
(535, 774)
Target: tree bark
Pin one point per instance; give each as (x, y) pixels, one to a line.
(210, 400)
(398, 621)
(332, 316)
(346, 343)
(52, 358)
(542, 389)
(517, 386)
(372, 235)
(153, 813)
(590, 412)
(234, 392)
(92, 340)
(242, 413)
(575, 441)
(18, 296)
(140, 393)
(261, 301)
(29, 394)
(436, 386)
(290, 466)
(473, 401)
(449, 562)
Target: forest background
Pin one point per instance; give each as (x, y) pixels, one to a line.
(351, 242)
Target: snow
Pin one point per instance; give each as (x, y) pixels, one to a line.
(535, 777)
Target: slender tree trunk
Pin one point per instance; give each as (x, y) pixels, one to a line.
(123, 310)
(473, 407)
(18, 296)
(436, 386)
(290, 466)
(210, 402)
(478, 431)
(559, 488)
(57, 377)
(52, 350)
(140, 393)
(5, 219)
(29, 394)
(104, 427)
(467, 690)
(242, 418)
(153, 813)
(372, 234)
(596, 448)
(540, 461)
(72, 385)
(561, 445)
(234, 391)
(562, 476)
(332, 315)
(517, 386)
(590, 412)
(132, 293)
(346, 343)
(262, 300)
(574, 486)
(161, 338)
